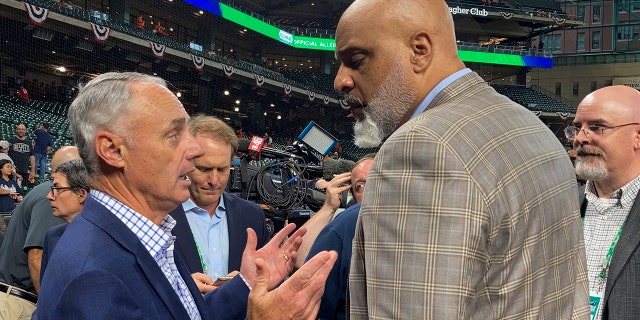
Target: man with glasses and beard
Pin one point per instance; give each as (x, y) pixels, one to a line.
(606, 137)
(470, 209)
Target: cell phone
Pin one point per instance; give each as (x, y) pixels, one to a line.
(221, 280)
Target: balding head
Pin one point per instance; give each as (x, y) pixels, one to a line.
(405, 19)
(620, 101)
(392, 55)
(64, 154)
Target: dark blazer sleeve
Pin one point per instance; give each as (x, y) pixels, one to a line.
(185, 243)
(50, 240)
(243, 214)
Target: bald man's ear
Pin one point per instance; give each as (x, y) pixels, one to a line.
(109, 148)
(422, 51)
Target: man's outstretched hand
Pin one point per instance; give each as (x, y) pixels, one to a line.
(297, 298)
(279, 255)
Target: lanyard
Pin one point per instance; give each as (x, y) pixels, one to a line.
(204, 265)
(607, 260)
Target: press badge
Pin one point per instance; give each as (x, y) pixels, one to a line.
(594, 303)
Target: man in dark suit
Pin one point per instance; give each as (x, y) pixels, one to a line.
(470, 209)
(606, 138)
(215, 236)
(116, 260)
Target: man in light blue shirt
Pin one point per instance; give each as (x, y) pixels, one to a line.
(217, 220)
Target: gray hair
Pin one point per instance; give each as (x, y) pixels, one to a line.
(76, 174)
(103, 104)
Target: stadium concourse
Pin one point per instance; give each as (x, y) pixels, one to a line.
(224, 59)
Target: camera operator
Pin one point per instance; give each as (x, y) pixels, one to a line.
(354, 182)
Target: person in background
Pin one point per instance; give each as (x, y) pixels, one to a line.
(10, 193)
(21, 151)
(344, 176)
(606, 139)
(23, 94)
(337, 235)
(140, 22)
(4, 149)
(211, 224)
(116, 259)
(465, 215)
(69, 191)
(43, 144)
(21, 252)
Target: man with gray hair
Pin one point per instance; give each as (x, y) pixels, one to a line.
(116, 259)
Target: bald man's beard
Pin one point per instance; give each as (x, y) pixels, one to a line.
(590, 165)
(385, 111)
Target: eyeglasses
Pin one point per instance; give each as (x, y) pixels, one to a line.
(60, 189)
(572, 132)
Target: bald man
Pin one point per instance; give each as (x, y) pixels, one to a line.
(21, 251)
(606, 137)
(470, 209)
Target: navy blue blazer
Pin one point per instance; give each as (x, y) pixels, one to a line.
(100, 270)
(241, 214)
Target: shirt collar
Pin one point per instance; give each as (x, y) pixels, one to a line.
(189, 205)
(626, 195)
(443, 84)
(155, 238)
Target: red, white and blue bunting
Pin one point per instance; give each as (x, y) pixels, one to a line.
(259, 80)
(228, 70)
(311, 95)
(564, 115)
(344, 104)
(325, 100)
(559, 21)
(287, 89)
(37, 15)
(506, 15)
(157, 49)
(537, 113)
(100, 33)
(198, 62)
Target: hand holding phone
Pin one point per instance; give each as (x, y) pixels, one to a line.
(221, 280)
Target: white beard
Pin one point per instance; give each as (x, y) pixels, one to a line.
(386, 109)
(367, 134)
(594, 172)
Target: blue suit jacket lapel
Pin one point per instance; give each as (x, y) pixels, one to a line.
(111, 225)
(236, 236)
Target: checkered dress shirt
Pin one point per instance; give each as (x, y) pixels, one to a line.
(158, 241)
(603, 218)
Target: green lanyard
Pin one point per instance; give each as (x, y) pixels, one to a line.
(204, 265)
(607, 261)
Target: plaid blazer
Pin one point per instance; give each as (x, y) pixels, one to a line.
(470, 212)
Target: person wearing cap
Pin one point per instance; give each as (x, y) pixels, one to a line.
(9, 189)
(4, 149)
(42, 147)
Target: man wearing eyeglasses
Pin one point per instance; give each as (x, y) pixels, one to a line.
(606, 137)
(21, 251)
